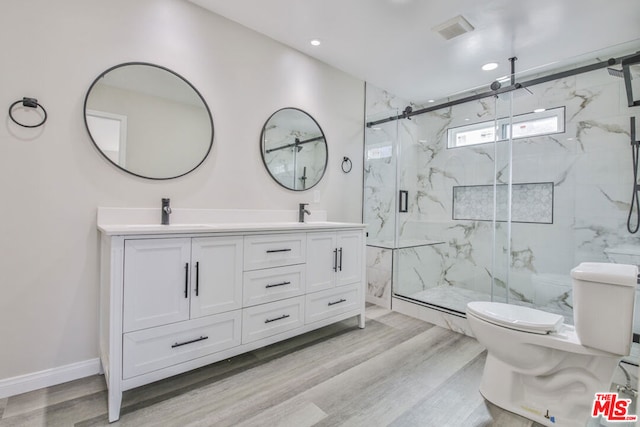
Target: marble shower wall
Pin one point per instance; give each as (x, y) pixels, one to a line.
(379, 274)
(589, 165)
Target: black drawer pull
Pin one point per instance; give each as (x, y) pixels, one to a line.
(278, 284)
(270, 251)
(336, 302)
(179, 344)
(340, 267)
(335, 260)
(284, 316)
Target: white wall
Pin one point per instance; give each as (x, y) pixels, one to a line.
(52, 178)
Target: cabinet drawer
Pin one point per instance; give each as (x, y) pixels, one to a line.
(324, 304)
(264, 320)
(274, 250)
(156, 348)
(271, 284)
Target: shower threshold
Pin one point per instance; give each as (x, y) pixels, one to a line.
(453, 300)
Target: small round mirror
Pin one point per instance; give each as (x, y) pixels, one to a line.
(148, 121)
(294, 149)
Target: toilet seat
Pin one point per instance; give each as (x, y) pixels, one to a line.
(516, 317)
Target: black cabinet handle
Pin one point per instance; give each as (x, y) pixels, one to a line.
(340, 250)
(284, 316)
(270, 251)
(197, 277)
(186, 280)
(335, 260)
(336, 302)
(403, 201)
(277, 284)
(180, 344)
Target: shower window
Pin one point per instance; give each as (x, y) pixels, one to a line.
(537, 123)
(382, 151)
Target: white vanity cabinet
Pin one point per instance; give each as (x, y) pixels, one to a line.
(168, 284)
(216, 275)
(335, 259)
(155, 287)
(175, 300)
(173, 279)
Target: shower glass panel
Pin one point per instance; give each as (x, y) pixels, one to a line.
(577, 185)
(380, 181)
(455, 172)
(505, 194)
(439, 243)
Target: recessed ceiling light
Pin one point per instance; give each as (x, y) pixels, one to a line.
(539, 110)
(431, 100)
(315, 42)
(490, 66)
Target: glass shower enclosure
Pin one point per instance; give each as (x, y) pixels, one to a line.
(497, 198)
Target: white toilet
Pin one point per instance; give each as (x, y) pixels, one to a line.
(548, 371)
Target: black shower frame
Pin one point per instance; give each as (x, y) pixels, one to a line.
(513, 86)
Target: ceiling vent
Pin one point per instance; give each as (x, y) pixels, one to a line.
(454, 27)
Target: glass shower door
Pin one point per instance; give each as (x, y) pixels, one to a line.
(380, 181)
(449, 242)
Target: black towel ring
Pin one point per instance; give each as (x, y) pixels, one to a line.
(346, 165)
(31, 103)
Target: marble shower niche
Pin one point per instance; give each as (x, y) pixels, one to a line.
(570, 197)
(531, 202)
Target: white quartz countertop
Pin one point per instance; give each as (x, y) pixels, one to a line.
(146, 221)
(131, 229)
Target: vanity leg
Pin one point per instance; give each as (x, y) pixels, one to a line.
(361, 318)
(115, 400)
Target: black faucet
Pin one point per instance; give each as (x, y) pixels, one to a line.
(302, 211)
(166, 211)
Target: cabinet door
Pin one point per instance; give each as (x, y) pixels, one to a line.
(322, 258)
(156, 274)
(349, 257)
(216, 275)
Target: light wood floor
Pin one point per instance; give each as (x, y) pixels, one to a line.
(398, 371)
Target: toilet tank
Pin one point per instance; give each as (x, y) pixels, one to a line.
(603, 302)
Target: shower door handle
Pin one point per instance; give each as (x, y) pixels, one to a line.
(403, 201)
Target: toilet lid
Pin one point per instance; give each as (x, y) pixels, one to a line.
(516, 316)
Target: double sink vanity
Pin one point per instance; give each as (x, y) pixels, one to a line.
(208, 284)
(215, 284)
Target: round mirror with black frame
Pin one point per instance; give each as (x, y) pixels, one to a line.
(148, 121)
(294, 149)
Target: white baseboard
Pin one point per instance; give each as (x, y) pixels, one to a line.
(48, 377)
